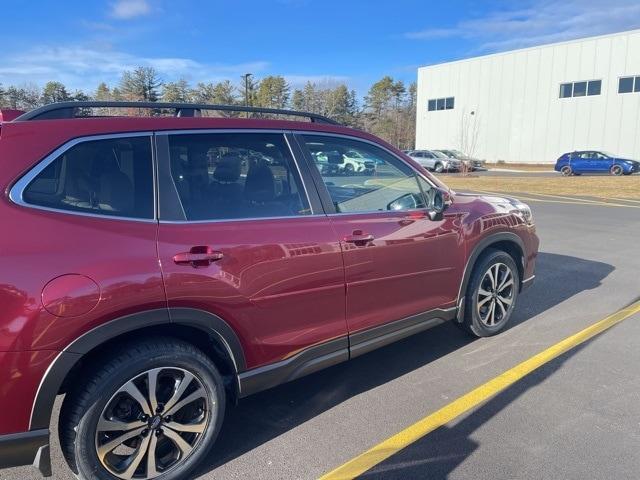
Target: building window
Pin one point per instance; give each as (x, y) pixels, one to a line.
(594, 87)
(629, 84)
(566, 90)
(581, 89)
(441, 104)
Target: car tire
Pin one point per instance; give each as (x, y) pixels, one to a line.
(566, 171)
(113, 394)
(438, 168)
(349, 170)
(616, 170)
(479, 320)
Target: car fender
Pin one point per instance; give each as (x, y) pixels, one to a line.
(59, 369)
(475, 254)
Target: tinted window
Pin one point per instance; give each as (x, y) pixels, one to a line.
(625, 85)
(106, 177)
(440, 103)
(566, 90)
(381, 183)
(432, 105)
(579, 89)
(449, 103)
(637, 87)
(594, 87)
(234, 176)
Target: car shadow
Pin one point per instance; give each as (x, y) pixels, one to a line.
(266, 415)
(436, 455)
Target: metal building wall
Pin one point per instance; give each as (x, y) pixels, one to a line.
(519, 115)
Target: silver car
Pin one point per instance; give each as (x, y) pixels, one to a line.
(435, 161)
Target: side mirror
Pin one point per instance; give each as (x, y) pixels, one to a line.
(439, 201)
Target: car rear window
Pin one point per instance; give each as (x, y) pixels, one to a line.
(112, 177)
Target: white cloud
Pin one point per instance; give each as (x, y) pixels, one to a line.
(84, 68)
(126, 9)
(539, 22)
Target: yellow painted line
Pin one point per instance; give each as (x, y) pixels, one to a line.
(467, 402)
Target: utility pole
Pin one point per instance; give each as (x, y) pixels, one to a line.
(246, 90)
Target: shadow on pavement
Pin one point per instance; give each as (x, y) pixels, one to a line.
(264, 416)
(440, 452)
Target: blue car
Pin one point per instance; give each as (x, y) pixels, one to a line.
(592, 161)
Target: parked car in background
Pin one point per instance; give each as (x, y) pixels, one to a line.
(196, 260)
(435, 161)
(348, 162)
(595, 161)
(472, 163)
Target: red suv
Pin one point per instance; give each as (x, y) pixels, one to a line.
(157, 268)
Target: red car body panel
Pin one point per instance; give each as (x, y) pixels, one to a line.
(282, 285)
(411, 266)
(20, 376)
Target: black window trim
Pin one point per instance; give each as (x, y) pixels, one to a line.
(172, 197)
(325, 197)
(16, 192)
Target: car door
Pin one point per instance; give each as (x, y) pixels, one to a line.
(398, 262)
(602, 162)
(241, 237)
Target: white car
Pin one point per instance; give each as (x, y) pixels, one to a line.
(436, 161)
(352, 162)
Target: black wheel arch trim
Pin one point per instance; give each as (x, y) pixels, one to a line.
(56, 373)
(480, 247)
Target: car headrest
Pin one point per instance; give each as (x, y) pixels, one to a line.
(260, 185)
(228, 169)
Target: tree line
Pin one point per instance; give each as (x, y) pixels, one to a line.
(387, 110)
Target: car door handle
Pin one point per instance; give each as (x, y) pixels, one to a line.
(200, 256)
(358, 237)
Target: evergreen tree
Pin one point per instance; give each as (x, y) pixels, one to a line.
(141, 84)
(54, 92)
(176, 92)
(273, 92)
(103, 93)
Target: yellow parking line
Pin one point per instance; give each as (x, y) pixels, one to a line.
(463, 404)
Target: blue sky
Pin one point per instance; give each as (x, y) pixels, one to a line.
(84, 42)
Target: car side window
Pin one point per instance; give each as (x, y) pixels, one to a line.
(379, 182)
(112, 177)
(236, 176)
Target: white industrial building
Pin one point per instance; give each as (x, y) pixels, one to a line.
(534, 104)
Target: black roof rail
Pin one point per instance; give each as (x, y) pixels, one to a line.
(64, 110)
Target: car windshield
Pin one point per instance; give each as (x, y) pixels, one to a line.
(438, 154)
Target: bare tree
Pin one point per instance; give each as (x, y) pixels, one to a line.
(468, 140)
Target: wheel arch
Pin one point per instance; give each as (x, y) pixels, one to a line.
(508, 242)
(203, 329)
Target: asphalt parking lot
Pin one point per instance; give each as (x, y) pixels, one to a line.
(576, 417)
